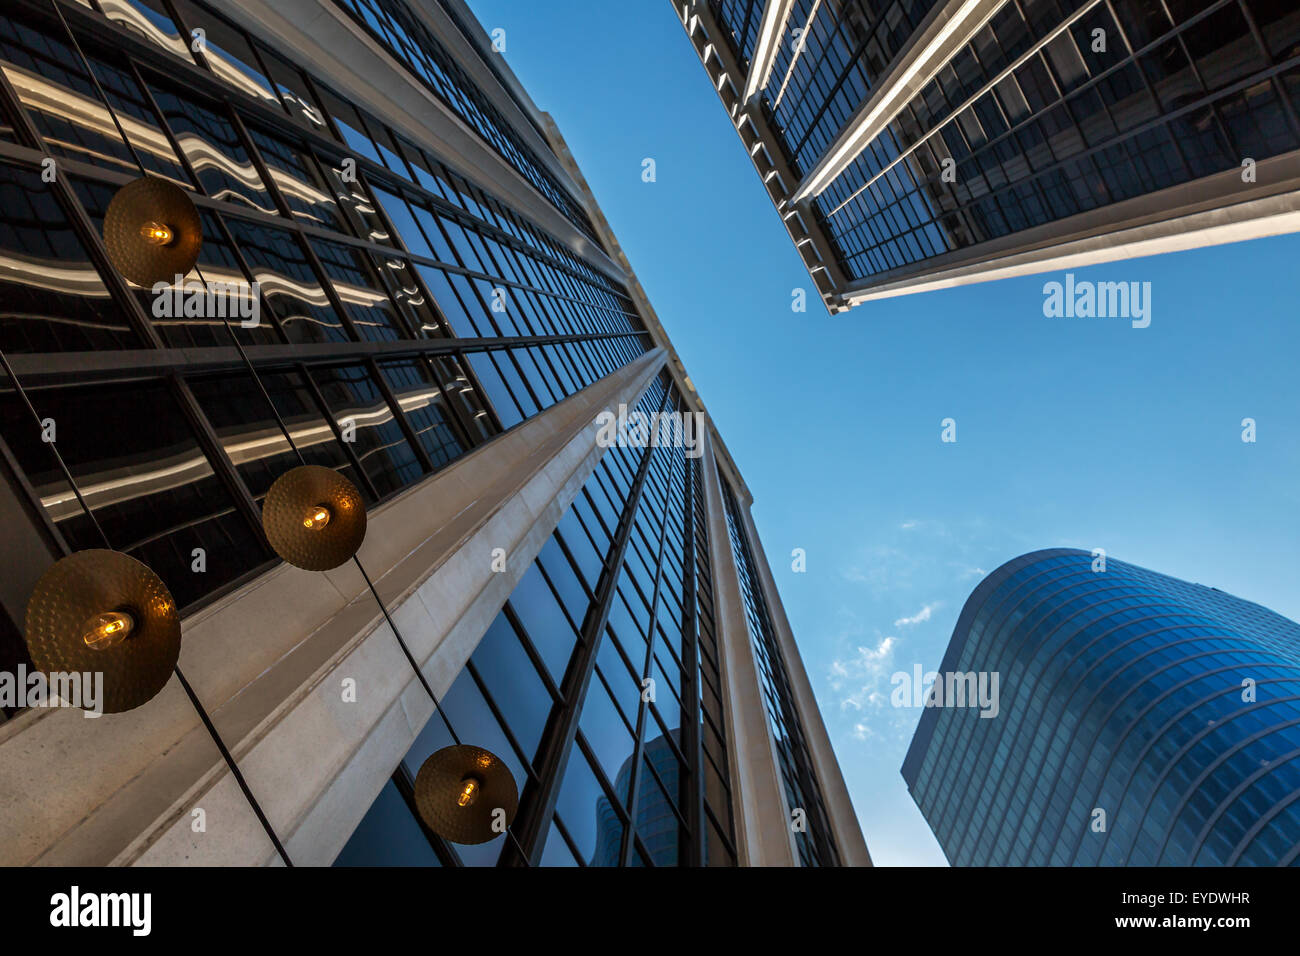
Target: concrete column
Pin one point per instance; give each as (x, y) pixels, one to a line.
(269, 662)
(847, 833)
(770, 30)
(763, 834)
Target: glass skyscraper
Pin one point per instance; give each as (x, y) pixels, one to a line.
(920, 144)
(443, 314)
(1142, 721)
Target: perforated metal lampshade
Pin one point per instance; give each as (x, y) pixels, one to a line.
(74, 593)
(440, 787)
(292, 503)
(142, 204)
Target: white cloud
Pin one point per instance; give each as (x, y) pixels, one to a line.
(919, 617)
(858, 680)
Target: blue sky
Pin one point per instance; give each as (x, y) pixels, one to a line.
(1070, 432)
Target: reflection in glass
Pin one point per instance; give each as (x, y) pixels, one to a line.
(292, 89)
(226, 51)
(52, 298)
(140, 470)
(214, 149)
(463, 394)
(299, 180)
(47, 74)
(250, 434)
(150, 20)
(657, 822)
(421, 400)
(358, 287)
(215, 323)
(360, 410)
(289, 283)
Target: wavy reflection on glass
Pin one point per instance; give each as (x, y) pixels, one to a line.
(129, 482)
(42, 95)
(138, 21)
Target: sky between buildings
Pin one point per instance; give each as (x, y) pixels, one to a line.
(1071, 432)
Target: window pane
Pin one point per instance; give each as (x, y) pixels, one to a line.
(388, 835)
(426, 411)
(51, 296)
(356, 403)
(213, 147)
(289, 283)
(139, 468)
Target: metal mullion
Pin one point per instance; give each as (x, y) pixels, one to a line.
(186, 165)
(194, 178)
(562, 729)
(23, 124)
(327, 286)
(573, 847)
(472, 380)
(386, 282)
(528, 387)
(577, 574)
(134, 70)
(399, 415)
(443, 209)
(723, 828)
(412, 258)
(832, 89)
(249, 274)
(545, 358)
(1089, 154)
(606, 785)
(28, 495)
(530, 649)
(286, 218)
(789, 713)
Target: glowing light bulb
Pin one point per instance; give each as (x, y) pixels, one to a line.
(468, 791)
(108, 630)
(317, 519)
(157, 233)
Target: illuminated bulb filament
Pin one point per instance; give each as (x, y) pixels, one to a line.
(108, 630)
(468, 791)
(157, 233)
(317, 519)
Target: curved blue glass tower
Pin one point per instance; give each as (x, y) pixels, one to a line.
(1142, 720)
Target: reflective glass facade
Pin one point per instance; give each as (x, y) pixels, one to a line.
(436, 316)
(1174, 708)
(409, 316)
(1053, 108)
